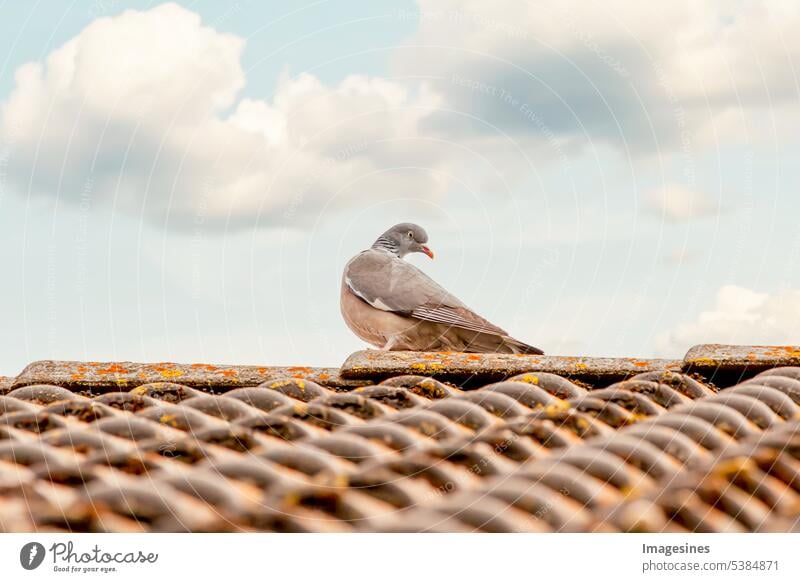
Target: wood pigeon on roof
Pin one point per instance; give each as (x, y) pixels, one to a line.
(392, 305)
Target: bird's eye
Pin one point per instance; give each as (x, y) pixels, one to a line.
(410, 234)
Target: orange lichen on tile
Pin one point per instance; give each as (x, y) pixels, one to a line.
(113, 369)
(704, 362)
(207, 367)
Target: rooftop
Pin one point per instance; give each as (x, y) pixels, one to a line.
(404, 441)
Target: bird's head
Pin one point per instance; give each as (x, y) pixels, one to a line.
(404, 238)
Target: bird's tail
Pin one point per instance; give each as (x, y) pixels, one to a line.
(496, 343)
(518, 347)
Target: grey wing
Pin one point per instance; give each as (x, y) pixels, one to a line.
(392, 284)
(462, 317)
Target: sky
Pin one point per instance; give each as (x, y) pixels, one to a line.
(185, 181)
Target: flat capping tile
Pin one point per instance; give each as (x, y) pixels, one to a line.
(6, 384)
(374, 364)
(102, 377)
(729, 364)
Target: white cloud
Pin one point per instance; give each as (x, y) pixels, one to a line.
(678, 203)
(640, 76)
(740, 316)
(142, 109)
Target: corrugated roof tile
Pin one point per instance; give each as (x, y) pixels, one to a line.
(121, 447)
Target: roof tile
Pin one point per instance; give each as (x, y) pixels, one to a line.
(511, 448)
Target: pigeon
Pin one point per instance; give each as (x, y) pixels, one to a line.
(393, 305)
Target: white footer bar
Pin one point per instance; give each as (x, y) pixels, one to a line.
(406, 557)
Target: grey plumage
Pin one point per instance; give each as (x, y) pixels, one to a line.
(393, 305)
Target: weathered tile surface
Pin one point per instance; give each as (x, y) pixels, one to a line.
(622, 445)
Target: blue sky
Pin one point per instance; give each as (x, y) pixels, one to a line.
(185, 181)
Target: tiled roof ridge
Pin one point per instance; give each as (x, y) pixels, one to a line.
(716, 363)
(537, 451)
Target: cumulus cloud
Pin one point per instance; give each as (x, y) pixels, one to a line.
(740, 316)
(142, 110)
(145, 111)
(678, 203)
(638, 76)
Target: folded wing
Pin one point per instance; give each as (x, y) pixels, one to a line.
(394, 285)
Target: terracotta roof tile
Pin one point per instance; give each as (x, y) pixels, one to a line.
(460, 444)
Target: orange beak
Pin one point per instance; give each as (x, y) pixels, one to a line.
(427, 251)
